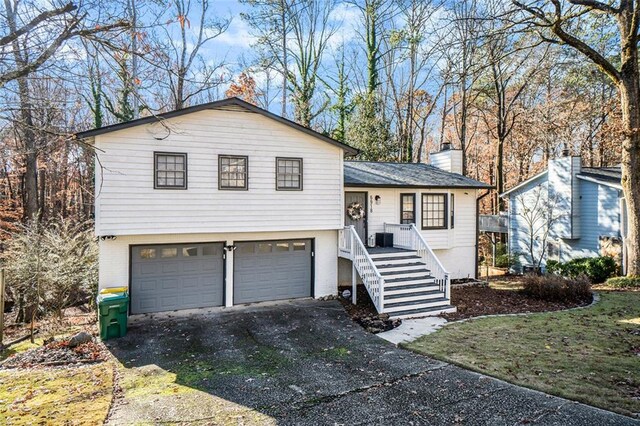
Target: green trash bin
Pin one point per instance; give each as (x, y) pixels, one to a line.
(112, 314)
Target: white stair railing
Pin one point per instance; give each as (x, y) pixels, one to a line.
(351, 247)
(408, 237)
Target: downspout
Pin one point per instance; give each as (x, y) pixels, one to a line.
(478, 228)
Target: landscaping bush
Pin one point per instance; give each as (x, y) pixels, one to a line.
(624, 282)
(597, 269)
(504, 261)
(50, 266)
(557, 288)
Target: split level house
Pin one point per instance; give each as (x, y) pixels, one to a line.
(225, 203)
(565, 212)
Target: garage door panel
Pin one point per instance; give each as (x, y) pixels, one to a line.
(183, 276)
(272, 270)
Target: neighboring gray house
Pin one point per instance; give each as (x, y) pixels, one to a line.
(568, 211)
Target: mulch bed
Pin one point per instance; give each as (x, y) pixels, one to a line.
(478, 300)
(55, 353)
(365, 313)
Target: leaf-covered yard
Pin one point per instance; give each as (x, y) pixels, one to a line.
(74, 396)
(590, 355)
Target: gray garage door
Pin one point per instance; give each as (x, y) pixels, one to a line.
(271, 270)
(176, 276)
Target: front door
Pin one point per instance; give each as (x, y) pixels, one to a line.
(352, 200)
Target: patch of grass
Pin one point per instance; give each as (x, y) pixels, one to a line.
(623, 282)
(74, 396)
(20, 347)
(588, 355)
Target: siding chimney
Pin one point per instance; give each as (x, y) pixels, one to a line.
(447, 159)
(564, 196)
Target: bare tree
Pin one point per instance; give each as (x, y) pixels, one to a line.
(31, 35)
(188, 73)
(555, 22)
(537, 211)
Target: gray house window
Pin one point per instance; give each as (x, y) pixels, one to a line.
(434, 211)
(289, 174)
(170, 170)
(232, 172)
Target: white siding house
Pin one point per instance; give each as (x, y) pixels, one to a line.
(224, 203)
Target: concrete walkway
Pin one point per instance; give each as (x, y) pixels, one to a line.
(307, 363)
(411, 329)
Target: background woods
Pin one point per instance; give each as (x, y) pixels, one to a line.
(395, 78)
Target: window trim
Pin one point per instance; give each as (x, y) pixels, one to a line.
(452, 208)
(446, 210)
(301, 174)
(246, 171)
(155, 170)
(402, 195)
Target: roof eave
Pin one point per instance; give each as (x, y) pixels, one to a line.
(374, 185)
(600, 181)
(210, 106)
(523, 183)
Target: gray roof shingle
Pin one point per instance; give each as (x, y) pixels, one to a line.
(605, 174)
(416, 175)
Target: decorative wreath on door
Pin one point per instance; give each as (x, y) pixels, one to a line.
(355, 211)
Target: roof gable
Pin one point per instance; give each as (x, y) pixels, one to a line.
(229, 104)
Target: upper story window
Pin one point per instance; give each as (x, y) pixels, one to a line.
(289, 174)
(407, 208)
(170, 170)
(434, 211)
(233, 172)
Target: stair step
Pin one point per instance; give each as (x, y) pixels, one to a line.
(413, 273)
(396, 260)
(401, 267)
(411, 288)
(422, 279)
(417, 304)
(413, 297)
(393, 254)
(413, 313)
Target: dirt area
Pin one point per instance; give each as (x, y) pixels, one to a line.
(57, 352)
(365, 313)
(76, 318)
(499, 297)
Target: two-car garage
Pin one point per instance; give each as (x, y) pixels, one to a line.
(167, 277)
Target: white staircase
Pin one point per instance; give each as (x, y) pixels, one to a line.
(405, 281)
(409, 288)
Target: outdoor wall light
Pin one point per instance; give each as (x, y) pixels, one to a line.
(378, 200)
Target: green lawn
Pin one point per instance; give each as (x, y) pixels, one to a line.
(590, 355)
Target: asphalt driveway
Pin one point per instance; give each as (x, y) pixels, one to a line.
(306, 362)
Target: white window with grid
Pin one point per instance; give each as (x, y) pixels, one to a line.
(434, 211)
(289, 174)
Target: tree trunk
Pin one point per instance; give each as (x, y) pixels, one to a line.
(630, 99)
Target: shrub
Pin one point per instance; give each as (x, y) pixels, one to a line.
(624, 282)
(556, 288)
(504, 261)
(554, 267)
(50, 267)
(597, 269)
